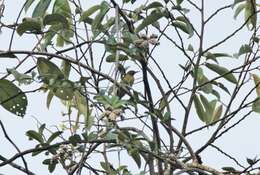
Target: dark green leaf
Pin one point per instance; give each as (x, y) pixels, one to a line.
(153, 5)
(244, 49)
(229, 169)
(112, 58)
(35, 135)
(12, 98)
(49, 98)
(75, 139)
(53, 19)
(7, 55)
(150, 19)
(41, 8)
(54, 136)
(136, 156)
(222, 71)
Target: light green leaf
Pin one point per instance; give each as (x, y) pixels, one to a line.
(62, 7)
(239, 9)
(12, 98)
(85, 15)
(257, 84)
(217, 113)
(150, 19)
(65, 68)
(97, 21)
(21, 78)
(41, 8)
(221, 71)
(48, 70)
(256, 105)
(28, 5)
(29, 25)
(199, 109)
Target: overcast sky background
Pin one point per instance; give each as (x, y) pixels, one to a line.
(241, 142)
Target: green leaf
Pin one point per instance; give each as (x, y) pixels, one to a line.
(62, 7)
(49, 98)
(12, 98)
(221, 71)
(199, 109)
(250, 11)
(256, 105)
(28, 5)
(52, 166)
(239, 9)
(83, 108)
(217, 113)
(41, 8)
(35, 135)
(179, 2)
(29, 25)
(54, 19)
(153, 5)
(112, 58)
(85, 15)
(48, 70)
(257, 84)
(182, 26)
(243, 50)
(65, 68)
(150, 19)
(75, 139)
(135, 155)
(21, 78)
(104, 8)
(209, 108)
(63, 89)
(229, 169)
(54, 136)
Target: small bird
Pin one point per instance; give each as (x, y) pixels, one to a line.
(127, 81)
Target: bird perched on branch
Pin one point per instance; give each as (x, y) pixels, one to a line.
(127, 81)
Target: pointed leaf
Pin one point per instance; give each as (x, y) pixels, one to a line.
(221, 71)
(85, 15)
(150, 19)
(41, 8)
(35, 135)
(199, 109)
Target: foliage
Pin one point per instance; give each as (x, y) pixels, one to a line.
(112, 112)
